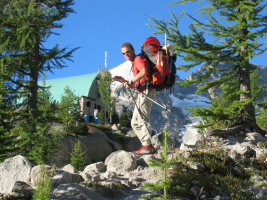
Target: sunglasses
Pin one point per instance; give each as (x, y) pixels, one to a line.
(126, 52)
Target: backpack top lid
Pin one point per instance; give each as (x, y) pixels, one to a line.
(153, 43)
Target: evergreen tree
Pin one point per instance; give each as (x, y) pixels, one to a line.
(104, 89)
(125, 118)
(40, 145)
(25, 27)
(44, 185)
(69, 108)
(78, 157)
(236, 35)
(7, 141)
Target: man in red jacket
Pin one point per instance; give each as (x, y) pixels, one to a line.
(141, 115)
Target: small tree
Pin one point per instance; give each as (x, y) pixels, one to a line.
(68, 108)
(104, 89)
(125, 118)
(163, 164)
(78, 156)
(44, 185)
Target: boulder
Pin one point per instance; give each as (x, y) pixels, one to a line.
(95, 168)
(14, 169)
(74, 191)
(120, 162)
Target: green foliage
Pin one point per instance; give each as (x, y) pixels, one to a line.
(163, 164)
(125, 118)
(46, 105)
(69, 109)
(101, 115)
(44, 186)
(22, 48)
(78, 156)
(119, 137)
(7, 141)
(227, 109)
(219, 172)
(234, 29)
(38, 146)
(104, 89)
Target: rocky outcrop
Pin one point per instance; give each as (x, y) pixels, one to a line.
(96, 145)
(121, 175)
(100, 180)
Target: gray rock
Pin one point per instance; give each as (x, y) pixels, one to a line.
(74, 191)
(95, 167)
(14, 169)
(120, 162)
(69, 168)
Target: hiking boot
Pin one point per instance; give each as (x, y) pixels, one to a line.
(144, 150)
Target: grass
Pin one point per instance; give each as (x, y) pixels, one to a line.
(118, 137)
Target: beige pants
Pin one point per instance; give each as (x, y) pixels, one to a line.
(141, 124)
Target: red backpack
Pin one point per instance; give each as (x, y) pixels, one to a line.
(160, 72)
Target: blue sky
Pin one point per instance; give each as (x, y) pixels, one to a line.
(103, 25)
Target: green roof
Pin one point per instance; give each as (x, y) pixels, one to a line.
(82, 85)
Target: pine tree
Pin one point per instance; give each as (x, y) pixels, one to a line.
(44, 185)
(125, 118)
(104, 89)
(40, 145)
(69, 108)
(7, 141)
(236, 35)
(25, 27)
(78, 157)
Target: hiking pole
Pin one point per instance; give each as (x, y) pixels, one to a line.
(166, 108)
(122, 80)
(140, 113)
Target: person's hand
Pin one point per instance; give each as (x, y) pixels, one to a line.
(129, 84)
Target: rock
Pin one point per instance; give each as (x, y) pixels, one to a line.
(120, 162)
(95, 167)
(116, 127)
(75, 191)
(96, 144)
(69, 168)
(195, 165)
(190, 140)
(23, 189)
(147, 174)
(40, 172)
(145, 160)
(253, 136)
(14, 169)
(110, 175)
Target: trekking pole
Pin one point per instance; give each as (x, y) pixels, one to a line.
(166, 108)
(122, 80)
(140, 113)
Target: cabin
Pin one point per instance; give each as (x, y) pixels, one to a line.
(85, 86)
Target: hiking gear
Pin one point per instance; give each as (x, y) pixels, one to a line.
(122, 80)
(162, 64)
(146, 150)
